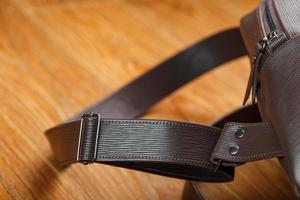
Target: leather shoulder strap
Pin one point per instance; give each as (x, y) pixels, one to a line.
(138, 96)
(177, 149)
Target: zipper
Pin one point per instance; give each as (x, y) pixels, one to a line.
(269, 18)
(269, 39)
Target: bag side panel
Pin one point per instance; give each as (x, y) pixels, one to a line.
(280, 87)
(289, 12)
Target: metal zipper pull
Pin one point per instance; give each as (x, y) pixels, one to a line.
(252, 85)
(252, 81)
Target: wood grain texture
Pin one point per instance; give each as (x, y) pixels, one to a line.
(56, 57)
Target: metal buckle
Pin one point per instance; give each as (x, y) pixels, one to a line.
(80, 139)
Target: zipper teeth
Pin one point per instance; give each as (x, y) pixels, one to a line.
(269, 17)
(268, 39)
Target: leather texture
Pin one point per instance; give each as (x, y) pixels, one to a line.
(280, 85)
(289, 12)
(181, 150)
(171, 148)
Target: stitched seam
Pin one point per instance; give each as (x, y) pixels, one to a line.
(202, 176)
(157, 158)
(163, 123)
(247, 125)
(250, 156)
(203, 164)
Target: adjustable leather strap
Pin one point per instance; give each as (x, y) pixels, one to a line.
(138, 96)
(177, 149)
(181, 150)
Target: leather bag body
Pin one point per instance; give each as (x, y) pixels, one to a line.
(272, 35)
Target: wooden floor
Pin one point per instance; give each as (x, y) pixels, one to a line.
(58, 56)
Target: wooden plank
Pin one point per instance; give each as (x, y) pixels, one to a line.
(56, 57)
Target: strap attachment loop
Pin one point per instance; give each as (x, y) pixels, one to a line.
(244, 142)
(88, 138)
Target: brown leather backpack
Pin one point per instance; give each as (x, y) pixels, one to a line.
(104, 133)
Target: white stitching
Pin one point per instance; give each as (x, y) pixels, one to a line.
(241, 125)
(250, 156)
(163, 123)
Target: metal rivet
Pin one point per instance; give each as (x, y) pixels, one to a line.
(240, 133)
(234, 149)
